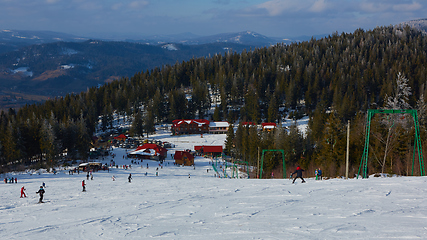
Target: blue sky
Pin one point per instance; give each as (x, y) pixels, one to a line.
(275, 18)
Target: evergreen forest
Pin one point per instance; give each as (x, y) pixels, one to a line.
(331, 80)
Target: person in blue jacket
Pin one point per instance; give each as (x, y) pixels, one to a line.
(41, 192)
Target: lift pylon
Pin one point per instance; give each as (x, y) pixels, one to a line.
(273, 150)
(417, 142)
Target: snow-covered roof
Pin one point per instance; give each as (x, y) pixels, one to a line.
(146, 152)
(218, 124)
(199, 122)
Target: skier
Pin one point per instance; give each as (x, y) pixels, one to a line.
(316, 173)
(130, 177)
(299, 174)
(87, 176)
(41, 192)
(44, 184)
(84, 186)
(22, 192)
(114, 178)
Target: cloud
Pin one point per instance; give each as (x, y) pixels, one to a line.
(222, 2)
(279, 7)
(116, 6)
(407, 7)
(89, 6)
(387, 6)
(138, 4)
(318, 6)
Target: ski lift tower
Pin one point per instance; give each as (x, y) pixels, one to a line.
(273, 150)
(417, 141)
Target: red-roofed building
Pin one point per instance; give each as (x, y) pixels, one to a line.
(210, 150)
(268, 126)
(190, 126)
(149, 151)
(248, 124)
(183, 158)
(121, 137)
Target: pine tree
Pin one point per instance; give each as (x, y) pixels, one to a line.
(149, 122)
(137, 128)
(83, 137)
(253, 142)
(47, 142)
(272, 110)
(217, 114)
(229, 141)
(332, 147)
(10, 151)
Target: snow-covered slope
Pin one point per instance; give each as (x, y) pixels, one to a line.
(174, 206)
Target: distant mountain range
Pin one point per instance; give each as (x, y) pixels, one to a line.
(55, 69)
(12, 40)
(245, 38)
(49, 64)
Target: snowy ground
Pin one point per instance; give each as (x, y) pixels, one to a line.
(174, 206)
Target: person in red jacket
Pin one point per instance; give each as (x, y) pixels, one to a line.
(22, 192)
(84, 186)
(299, 174)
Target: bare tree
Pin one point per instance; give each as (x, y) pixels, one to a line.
(422, 107)
(397, 100)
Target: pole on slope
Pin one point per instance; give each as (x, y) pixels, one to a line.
(257, 169)
(348, 150)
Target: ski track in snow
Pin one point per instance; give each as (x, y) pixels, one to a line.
(173, 206)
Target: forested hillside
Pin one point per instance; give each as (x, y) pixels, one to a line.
(333, 80)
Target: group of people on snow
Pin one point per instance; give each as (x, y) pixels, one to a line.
(41, 192)
(11, 180)
(299, 170)
(318, 173)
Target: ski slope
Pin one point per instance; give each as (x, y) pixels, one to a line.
(173, 205)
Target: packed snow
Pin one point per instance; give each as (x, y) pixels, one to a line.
(194, 203)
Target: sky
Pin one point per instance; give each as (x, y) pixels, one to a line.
(275, 18)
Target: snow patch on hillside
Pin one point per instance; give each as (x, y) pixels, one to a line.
(170, 47)
(23, 71)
